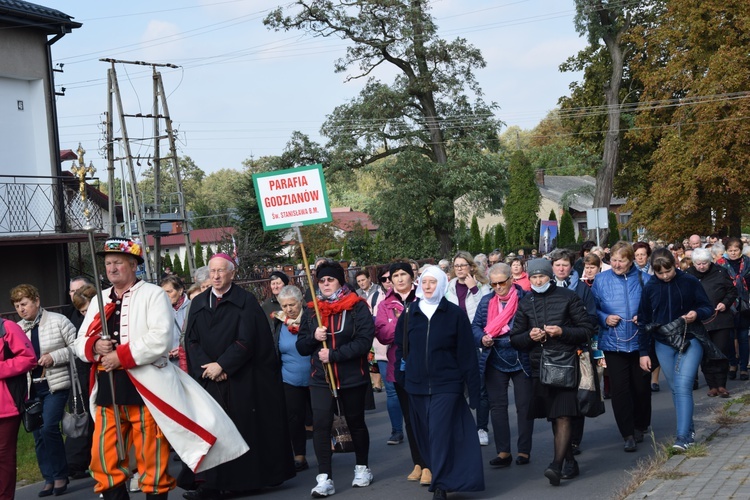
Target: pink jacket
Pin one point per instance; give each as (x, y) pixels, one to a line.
(23, 361)
(389, 309)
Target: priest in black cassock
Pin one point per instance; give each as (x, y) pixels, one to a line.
(230, 351)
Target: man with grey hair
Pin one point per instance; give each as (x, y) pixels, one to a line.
(231, 353)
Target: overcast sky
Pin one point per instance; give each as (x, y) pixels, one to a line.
(241, 89)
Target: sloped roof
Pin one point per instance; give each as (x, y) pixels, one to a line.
(347, 219)
(209, 235)
(555, 187)
(20, 13)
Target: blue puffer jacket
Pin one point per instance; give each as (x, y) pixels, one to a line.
(511, 359)
(619, 295)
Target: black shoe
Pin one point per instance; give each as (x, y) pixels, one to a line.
(655, 388)
(300, 465)
(732, 374)
(46, 492)
(744, 376)
(554, 474)
(638, 435)
(439, 494)
(521, 460)
(570, 469)
(61, 489)
(501, 463)
(201, 494)
(396, 438)
(630, 444)
(576, 449)
(696, 385)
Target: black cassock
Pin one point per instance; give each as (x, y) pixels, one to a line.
(235, 333)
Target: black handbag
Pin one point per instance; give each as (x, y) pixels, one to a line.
(558, 368)
(673, 334)
(590, 402)
(32, 415)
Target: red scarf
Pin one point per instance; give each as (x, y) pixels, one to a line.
(497, 317)
(96, 325)
(291, 324)
(328, 309)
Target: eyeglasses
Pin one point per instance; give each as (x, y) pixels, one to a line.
(383, 279)
(498, 283)
(460, 266)
(327, 279)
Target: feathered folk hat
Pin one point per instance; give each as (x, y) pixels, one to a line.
(122, 245)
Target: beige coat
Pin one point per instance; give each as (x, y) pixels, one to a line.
(56, 333)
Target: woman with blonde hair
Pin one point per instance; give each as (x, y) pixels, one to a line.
(467, 285)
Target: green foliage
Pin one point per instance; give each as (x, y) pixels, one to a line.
(501, 241)
(190, 174)
(462, 237)
(198, 253)
(523, 202)
(177, 265)
(254, 245)
(614, 230)
(346, 254)
(431, 117)
(209, 253)
(566, 236)
(488, 240)
(167, 261)
(552, 215)
(580, 239)
(537, 231)
(360, 245)
(475, 237)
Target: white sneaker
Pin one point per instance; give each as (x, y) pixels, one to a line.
(324, 486)
(484, 438)
(362, 476)
(133, 485)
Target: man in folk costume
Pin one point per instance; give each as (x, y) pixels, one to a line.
(231, 352)
(158, 404)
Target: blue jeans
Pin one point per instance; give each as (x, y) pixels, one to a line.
(680, 371)
(742, 354)
(391, 401)
(50, 449)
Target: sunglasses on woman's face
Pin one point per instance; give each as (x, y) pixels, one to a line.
(326, 279)
(383, 279)
(499, 283)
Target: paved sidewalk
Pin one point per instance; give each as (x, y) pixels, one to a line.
(723, 473)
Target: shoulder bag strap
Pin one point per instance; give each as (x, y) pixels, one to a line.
(406, 330)
(75, 384)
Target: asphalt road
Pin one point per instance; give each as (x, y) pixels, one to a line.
(603, 462)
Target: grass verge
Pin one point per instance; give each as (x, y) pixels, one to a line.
(27, 469)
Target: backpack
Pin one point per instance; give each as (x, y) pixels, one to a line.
(17, 384)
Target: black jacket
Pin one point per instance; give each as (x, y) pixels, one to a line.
(441, 355)
(555, 307)
(720, 289)
(349, 346)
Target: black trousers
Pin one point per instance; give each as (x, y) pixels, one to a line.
(297, 404)
(723, 340)
(352, 404)
(630, 389)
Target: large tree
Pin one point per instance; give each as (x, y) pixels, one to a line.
(523, 202)
(432, 110)
(694, 67)
(607, 22)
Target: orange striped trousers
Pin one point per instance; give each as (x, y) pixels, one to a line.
(151, 448)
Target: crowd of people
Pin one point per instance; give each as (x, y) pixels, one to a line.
(236, 386)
